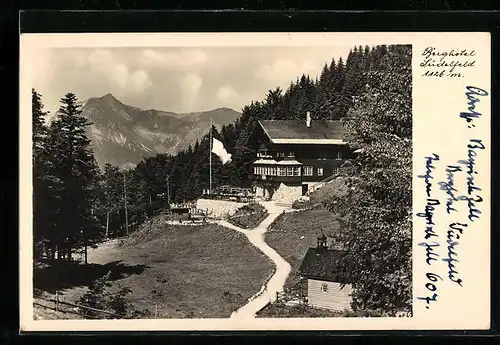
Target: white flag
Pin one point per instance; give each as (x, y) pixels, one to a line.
(219, 150)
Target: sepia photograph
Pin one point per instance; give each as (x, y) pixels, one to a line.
(222, 182)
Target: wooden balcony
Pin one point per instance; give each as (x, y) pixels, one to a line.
(276, 179)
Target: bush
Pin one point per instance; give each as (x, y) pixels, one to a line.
(98, 297)
(118, 303)
(301, 310)
(363, 313)
(248, 216)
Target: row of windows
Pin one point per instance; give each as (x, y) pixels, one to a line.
(277, 171)
(267, 154)
(289, 171)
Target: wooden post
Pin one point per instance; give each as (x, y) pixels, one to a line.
(57, 300)
(125, 203)
(156, 311)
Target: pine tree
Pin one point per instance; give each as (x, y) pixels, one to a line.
(74, 165)
(41, 180)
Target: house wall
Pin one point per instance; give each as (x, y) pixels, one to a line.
(315, 155)
(334, 299)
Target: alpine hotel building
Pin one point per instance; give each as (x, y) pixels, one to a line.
(296, 154)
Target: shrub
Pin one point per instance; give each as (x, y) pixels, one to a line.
(98, 297)
(248, 216)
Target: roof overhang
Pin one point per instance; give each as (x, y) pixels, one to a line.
(265, 162)
(309, 141)
(288, 162)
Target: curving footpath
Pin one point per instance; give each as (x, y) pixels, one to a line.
(282, 270)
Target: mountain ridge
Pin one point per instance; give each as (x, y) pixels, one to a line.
(123, 135)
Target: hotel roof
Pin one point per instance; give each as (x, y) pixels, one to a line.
(296, 132)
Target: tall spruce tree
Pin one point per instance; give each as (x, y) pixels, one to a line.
(41, 181)
(375, 214)
(74, 165)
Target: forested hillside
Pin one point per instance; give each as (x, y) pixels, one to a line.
(76, 205)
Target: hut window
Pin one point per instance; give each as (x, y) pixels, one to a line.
(282, 171)
(324, 287)
(320, 171)
(289, 171)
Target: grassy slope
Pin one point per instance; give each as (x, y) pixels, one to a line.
(285, 237)
(190, 271)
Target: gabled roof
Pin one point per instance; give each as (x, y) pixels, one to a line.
(296, 131)
(322, 264)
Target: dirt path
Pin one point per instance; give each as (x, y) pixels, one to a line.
(283, 268)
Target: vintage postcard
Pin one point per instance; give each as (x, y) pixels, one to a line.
(255, 181)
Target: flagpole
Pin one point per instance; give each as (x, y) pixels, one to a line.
(210, 158)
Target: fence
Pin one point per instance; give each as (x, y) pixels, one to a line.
(78, 309)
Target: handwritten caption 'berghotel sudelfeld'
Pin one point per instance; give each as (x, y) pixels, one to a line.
(452, 63)
(441, 242)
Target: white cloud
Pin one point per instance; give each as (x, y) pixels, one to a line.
(227, 94)
(140, 80)
(282, 72)
(100, 56)
(119, 75)
(186, 58)
(191, 84)
(105, 63)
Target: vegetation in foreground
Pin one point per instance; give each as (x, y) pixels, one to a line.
(300, 310)
(248, 216)
(375, 211)
(281, 310)
(293, 234)
(185, 271)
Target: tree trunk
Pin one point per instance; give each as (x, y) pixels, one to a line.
(86, 262)
(107, 224)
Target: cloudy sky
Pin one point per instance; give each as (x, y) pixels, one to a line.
(175, 79)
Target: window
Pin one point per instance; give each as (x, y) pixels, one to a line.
(263, 153)
(339, 154)
(281, 171)
(324, 287)
(335, 170)
(289, 171)
(308, 171)
(291, 154)
(296, 171)
(281, 154)
(320, 171)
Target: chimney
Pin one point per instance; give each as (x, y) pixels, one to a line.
(308, 119)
